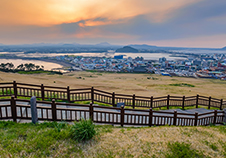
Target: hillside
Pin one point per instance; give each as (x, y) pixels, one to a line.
(49, 140)
(45, 140)
(124, 83)
(127, 49)
(144, 46)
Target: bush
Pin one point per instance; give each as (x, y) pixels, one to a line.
(83, 130)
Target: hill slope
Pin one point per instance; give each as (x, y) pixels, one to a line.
(127, 49)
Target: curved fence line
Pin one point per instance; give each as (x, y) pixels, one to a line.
(95, 95)
(19, 109)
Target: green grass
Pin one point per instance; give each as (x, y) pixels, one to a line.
(108, 105)
(6, 92)
(182, 150)
(186, 108)
(27, 138)
(126, 107)
(32, 72)
(182, 85)
(211, 145)
(153, 78)
(52, 139)
(39, 140)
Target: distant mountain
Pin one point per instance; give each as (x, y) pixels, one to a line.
(70, 45)
(37, 44)
(144, 46)
(127, 49)
(103, 44)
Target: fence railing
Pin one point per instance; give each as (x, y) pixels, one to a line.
(95, 95)
(15, 109)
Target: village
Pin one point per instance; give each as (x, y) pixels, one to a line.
(201, 66)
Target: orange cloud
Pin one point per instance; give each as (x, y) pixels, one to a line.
(53, 12)
(97, 23)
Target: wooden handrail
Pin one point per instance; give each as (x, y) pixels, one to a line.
(65, 93)
(104, 114)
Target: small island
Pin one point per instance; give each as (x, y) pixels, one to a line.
(127, 49)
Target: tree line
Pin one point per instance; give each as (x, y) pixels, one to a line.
(21, 67)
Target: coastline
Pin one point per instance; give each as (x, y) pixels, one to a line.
(62, 63)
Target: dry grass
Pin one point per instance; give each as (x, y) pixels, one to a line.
(126, 83)
(150, 142)
(136, 142)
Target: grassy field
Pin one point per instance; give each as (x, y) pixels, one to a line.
(46, 140)
(139, 84)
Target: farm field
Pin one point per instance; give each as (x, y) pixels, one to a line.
(139, 84)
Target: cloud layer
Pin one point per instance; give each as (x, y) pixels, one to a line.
(160, 22)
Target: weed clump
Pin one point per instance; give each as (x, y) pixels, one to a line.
(182, 85)
(179, 150)
(83, 130)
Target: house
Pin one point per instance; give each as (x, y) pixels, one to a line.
(140, 69)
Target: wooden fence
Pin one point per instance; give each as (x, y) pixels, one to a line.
(95, 95)
(15, 109)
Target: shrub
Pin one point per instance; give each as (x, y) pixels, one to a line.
(83, 130)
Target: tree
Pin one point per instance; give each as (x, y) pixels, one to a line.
(42, 67)
(3, 66)
(21, 67)
(37, 67)
(10, 65)
(29, 66)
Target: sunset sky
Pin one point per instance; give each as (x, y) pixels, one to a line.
(187, 23)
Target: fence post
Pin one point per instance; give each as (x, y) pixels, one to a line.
(34, 115)
(91, 111)
(122, 115)
(13, 108)
(15, 88)
(175, 118)
(133, 101)
(68, 94)
(221, 104)
(209, 102)
(42, 92)
(54, 110)
(215, 117)
(168, 97)
(183, 102)
(92, 95)
(150, 117)
(196, 119)
(197, 101)
(151, 101)
(113, 99)
(224, 116)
